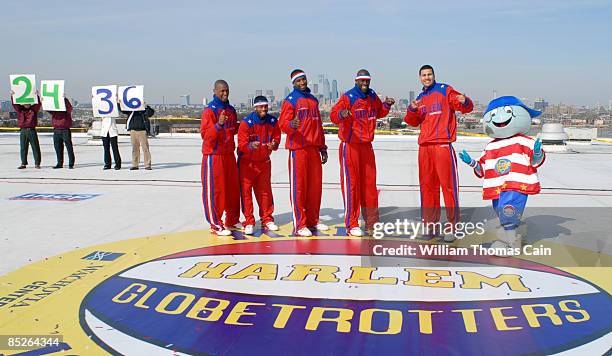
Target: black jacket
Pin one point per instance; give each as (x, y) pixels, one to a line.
(139, 120)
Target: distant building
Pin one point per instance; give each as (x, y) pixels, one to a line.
(6, 106)
(610, 105)
(411, 96)
(540, 104)
(270, 96)
(258, 92)
(186, 99)
(287, 91)
(315, 89)
(204, 101)
(334, 90)
(326, 89)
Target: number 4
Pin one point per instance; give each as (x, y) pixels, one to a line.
(53, 94)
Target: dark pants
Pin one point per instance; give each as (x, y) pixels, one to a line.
(63, 137)
(28, 136)
(111, 141)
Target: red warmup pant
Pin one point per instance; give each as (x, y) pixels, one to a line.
(358, 183)
(438, 169)
(220, 190)
(256, 176)
(305, 184)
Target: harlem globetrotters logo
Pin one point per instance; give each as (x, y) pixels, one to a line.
(316, 297)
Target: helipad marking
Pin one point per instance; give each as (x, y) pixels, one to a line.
(66, 293)
(54, 196)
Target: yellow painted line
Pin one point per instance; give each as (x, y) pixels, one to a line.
(471, 134)
(606, 140)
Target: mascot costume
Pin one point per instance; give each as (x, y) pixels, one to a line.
(508, 164)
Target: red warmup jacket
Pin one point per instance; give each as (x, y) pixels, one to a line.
(218, 139)
(62, 119)
(436, 114)
(365, 109)
(310, 133)
(256, 129)
(27, 118)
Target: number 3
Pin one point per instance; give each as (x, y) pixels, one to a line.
(105, 98)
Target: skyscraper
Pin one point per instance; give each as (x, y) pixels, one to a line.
(258, 92)
(334, 90)
(326, 89)
(270, 96)
(5, 106)
(411, 96)
(540, 104)
(315, 89)
(186, 99)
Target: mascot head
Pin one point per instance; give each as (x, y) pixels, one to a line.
(507, 116)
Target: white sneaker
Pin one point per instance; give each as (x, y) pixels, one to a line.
(248, 230)
(271, 226)
(502, 249)
(356, 231)
(322, 227)
(222, 232)
(511, 238)
(304, 232)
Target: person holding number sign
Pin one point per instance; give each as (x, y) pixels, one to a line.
(434, 111)
(139, 127)
(27, 120)
(220, 183)
(110, 135)
(62, 121)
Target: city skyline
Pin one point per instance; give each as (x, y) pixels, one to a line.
(551, 50)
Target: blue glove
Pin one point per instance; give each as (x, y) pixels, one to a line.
(465, 157)
(537, 147)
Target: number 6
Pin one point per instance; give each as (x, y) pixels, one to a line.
(133, 100)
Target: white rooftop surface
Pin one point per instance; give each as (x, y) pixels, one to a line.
(167, 199)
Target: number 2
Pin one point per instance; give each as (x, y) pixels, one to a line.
(110, 103)
(23, 99)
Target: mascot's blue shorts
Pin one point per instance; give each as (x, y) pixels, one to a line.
(509, 208)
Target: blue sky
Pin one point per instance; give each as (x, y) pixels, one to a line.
(559, 50)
